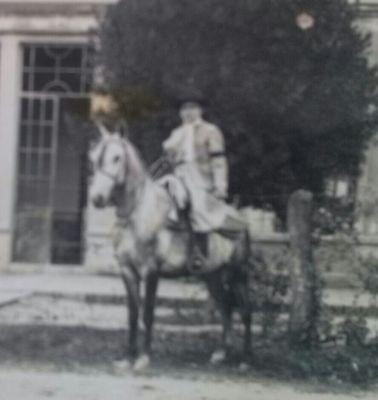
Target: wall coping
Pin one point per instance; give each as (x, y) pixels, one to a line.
(284, 238)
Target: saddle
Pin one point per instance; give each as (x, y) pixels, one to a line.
(199, 242)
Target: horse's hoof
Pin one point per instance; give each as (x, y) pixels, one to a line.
(244, 367)
(142, 363)
(218, 357)
(123, 365)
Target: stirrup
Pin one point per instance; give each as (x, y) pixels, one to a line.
(197, 261)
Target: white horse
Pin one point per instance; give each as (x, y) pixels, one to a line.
(147, 248)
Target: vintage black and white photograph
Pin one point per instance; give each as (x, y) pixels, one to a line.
(188, 199)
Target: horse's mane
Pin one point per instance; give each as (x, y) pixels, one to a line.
(135, 163)
(145, 200)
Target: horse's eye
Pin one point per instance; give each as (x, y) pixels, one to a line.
(116, 159)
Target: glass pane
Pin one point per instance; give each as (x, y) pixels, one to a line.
(24, 135)
(46, 142)
(26, 59)
(44, 58)
(22, 195)
(48, 110)
(57, 52)
(42, 193)
(57, 87)
(25, 82)
(73, 58)
(42, 80)
(72, 80)
(46, 165)
(35, 136)
(24, 109)
(36, 110)
(30, 109)
(27, 192)
(23, 164)
(33, 193)
(33, 164)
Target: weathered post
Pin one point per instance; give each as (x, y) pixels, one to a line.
(303, 276)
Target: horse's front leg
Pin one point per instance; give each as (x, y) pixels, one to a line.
(224, 305)
(151, 284)
(131, 282)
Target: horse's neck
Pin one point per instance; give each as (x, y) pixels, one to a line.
(144, 203)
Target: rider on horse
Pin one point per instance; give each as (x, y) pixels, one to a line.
(196, 150)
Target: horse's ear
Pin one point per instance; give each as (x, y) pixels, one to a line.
(103, 131)
(124, 129)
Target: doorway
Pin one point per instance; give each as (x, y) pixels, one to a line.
(51, 189)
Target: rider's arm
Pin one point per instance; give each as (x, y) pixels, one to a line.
(218, 160)
(171, 144)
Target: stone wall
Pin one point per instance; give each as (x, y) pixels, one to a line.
(5, 248)
(98, 239)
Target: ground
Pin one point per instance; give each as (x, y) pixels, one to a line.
(29, 385)
(60, 336)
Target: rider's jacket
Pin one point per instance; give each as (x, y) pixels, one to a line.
(201, 144)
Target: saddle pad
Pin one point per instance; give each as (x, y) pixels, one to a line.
(220, 249)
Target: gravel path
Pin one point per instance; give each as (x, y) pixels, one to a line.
(26, 385)
(54, 344)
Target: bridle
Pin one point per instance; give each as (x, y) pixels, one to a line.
(98, 165)
(119, 188)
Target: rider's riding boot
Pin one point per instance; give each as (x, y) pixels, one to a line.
(200, 251)
(197, 246)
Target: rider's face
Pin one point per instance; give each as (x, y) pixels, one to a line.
(190, 112)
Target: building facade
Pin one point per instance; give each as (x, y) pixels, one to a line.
(45, 77)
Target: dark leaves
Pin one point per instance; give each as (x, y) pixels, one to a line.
(274, 88)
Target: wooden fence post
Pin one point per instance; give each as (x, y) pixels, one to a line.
(303, 275)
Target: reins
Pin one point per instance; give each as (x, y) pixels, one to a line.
(160, 167)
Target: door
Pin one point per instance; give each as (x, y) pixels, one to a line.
(36, 170)
(51, 184)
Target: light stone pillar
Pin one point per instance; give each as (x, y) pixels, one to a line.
(9, 110)
(100, 230)
(367, 193)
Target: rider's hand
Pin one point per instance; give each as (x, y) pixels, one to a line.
(220, 194)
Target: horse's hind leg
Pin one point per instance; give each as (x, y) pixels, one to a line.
(224, 304)
(242, 296)
(148, 320)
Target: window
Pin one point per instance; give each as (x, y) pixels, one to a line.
(56, 68)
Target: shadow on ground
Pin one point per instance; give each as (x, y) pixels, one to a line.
(76, 348)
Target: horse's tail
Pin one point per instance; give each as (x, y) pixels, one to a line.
(253, 257)
(248, 245)
(246, 257)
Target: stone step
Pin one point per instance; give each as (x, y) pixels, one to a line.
(42, 311)
(172, 293)
(12, 296)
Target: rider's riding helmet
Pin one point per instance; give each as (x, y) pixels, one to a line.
(190, 97)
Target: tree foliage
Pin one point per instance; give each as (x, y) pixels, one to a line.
(296, 105)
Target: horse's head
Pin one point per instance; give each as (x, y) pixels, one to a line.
(109, 162)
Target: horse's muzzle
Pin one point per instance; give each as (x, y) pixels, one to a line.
(99, 201)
